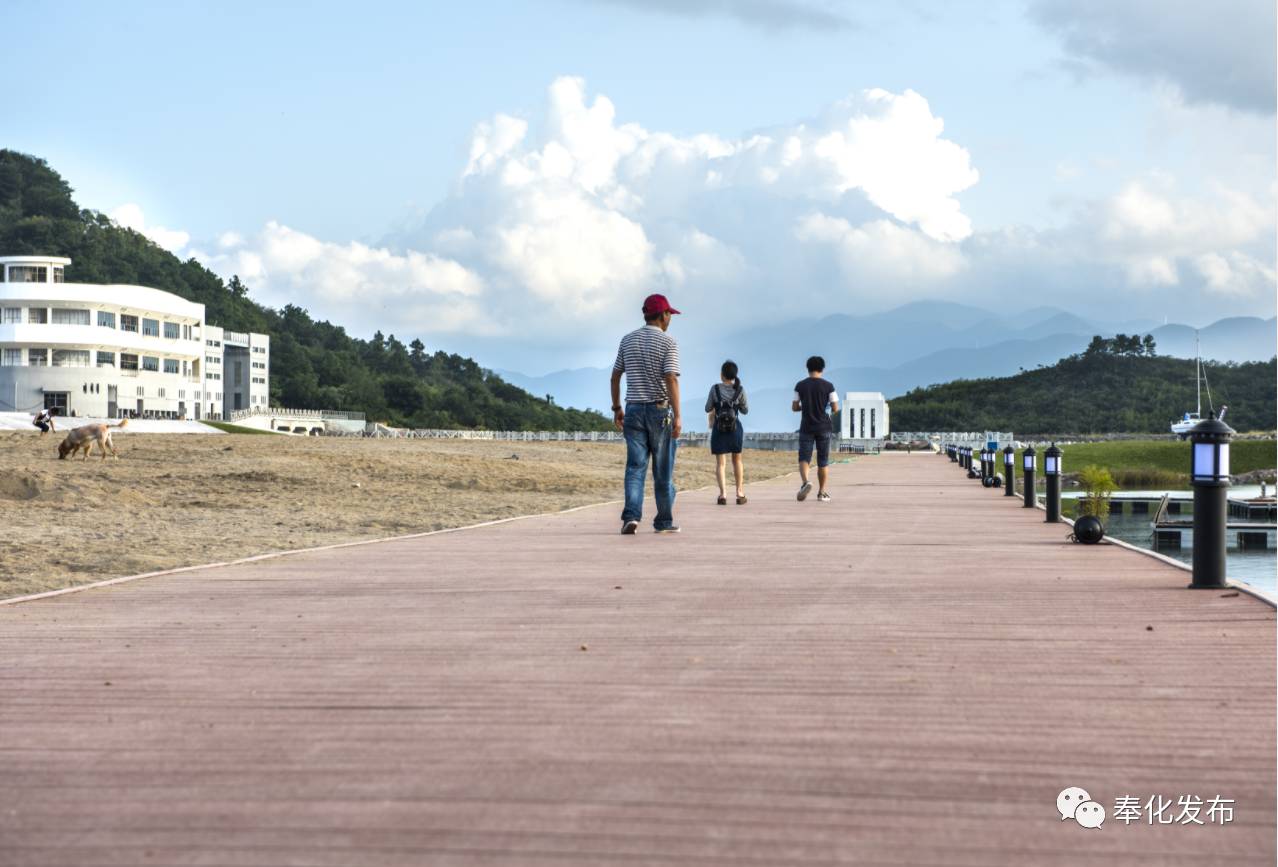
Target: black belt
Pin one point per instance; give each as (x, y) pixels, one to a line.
(659, 404)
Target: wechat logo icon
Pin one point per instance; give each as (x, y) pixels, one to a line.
(1074, 803)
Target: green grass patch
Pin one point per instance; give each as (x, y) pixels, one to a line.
(227, 427)
(1153, 464)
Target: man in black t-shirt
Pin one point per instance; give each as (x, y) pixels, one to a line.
(811, 397)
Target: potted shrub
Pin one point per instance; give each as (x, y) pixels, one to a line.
(1093, 507)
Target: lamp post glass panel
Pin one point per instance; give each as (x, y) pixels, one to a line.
(1209, 476)
(1027, 470)
(1009, 471)
(1052, 471)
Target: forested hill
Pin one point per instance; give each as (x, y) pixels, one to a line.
(1095, 392)
(313, 364)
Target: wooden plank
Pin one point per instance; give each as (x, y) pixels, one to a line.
(906, 675)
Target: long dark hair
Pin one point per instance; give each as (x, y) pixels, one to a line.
(729, 371)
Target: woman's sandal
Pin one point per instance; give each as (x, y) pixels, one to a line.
(741, 500)
(723, 501)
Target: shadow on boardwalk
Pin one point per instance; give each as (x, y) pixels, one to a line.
(906, 675)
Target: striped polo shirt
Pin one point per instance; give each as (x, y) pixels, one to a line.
(645, 356)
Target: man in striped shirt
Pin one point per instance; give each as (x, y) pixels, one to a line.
(651, 422)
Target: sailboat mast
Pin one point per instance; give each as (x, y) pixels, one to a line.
(1198, 374)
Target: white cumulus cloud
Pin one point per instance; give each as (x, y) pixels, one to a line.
(360, 286)
(560, 223)
(130, 216)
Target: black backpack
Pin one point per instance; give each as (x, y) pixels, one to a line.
(725, 412)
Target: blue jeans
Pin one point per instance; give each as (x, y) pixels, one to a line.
(647, 430)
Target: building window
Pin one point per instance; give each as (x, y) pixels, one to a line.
(213, 376)
(106, 319)
(150, 328)
(212, 359)
(171, 330)
(159, 392)
(259, 365)
(170, 365)
(213, 343)
(65, 316)
(186, 332)
(150, 362)
(57, 274)
(11, 358)
(28, 274)
(128, 323)
(181, 394)
(128, 361)
(38, 357)
(106, 359)
(11, 315)
(70, 358)
(37, 316)
(141, 392)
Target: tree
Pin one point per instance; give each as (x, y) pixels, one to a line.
(238, 289)
(1150, 345)
(417, 355)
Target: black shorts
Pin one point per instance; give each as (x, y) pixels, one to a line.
(822, 443)
(43, 425)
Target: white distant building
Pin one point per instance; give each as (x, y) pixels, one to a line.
(112, 351)
(865, 416)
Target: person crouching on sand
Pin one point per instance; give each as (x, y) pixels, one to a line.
(727, 401)
(44, 421)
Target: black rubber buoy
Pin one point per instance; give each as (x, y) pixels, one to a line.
(1088, 530)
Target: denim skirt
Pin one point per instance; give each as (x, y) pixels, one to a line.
(727, 443)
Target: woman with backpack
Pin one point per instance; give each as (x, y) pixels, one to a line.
(727, 401)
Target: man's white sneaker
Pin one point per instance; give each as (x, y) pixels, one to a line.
(671, 529)
(804, 490)
(823, 497)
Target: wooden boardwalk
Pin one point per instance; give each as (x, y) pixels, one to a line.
(907, 675)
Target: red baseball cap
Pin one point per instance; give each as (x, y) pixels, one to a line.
(654, 304)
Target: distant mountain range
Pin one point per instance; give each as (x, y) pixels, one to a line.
(918, 344)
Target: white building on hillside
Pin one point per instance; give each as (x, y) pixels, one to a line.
(112, 351)
(865, 416)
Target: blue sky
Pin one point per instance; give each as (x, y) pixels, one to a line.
(290, 141)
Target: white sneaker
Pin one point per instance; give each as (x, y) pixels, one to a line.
(804, 490)
(823, 497)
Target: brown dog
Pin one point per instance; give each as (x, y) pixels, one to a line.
(86, 437)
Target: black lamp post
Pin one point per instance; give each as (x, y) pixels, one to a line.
(1052, 471)
(1209, 477)
(1030, 459)
(1009, 471)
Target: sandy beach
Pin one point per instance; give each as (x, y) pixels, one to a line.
(179, 500)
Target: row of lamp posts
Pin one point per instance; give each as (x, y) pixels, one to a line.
(1209, 477)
